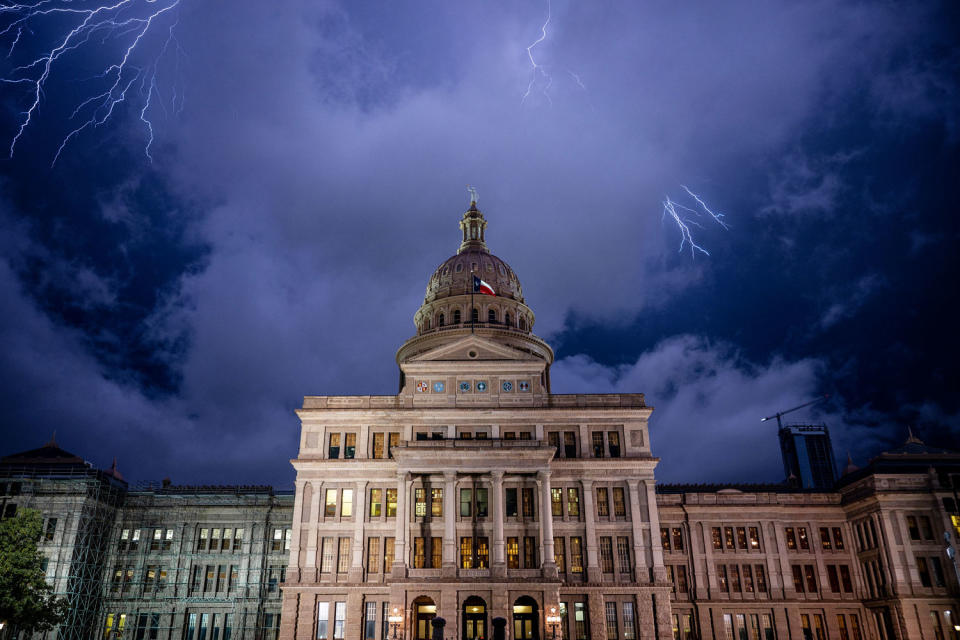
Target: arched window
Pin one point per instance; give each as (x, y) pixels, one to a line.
(456, 317)
(523, 323)
(474, 618)
(459, 268)
(427, 324)
(506, 319)
(492, 316)
(475, 315)
(440, 320)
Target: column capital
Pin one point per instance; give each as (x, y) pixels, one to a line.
(587, 484)
(403, 476)
(449, 475)
(497, 474)
(634, 483)
(543, 474)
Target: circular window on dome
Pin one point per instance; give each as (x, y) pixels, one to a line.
(472, 354)
(459, 268)
(503, 271)
(464, 386)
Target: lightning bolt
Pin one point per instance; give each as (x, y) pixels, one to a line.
(92, 31)
(540, 76)
(679, 214)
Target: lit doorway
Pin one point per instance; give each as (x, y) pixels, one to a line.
(474, 619)
(526, 623)
(424, 611)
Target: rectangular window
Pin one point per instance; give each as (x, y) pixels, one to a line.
(728, 538)
(333, 450)
(681, 574)
(613, 633)
(391, 503)
(741, 537)
(210, 578)
(925, 529)
(349, 446)
(237, 538)
(677, 539)
(227, 540)
(833, 578)
(204, 624)
(51, 529)
(214, 539)
(754, 539)
(134, 540)
(436, 502)
(556, 502)
(466, 552)
(370, 622)
(526, 496)
(838, 538)
(845, 578)
(328, 555)
(630, 622)
(529, 552)
(613, 443)
(483, 553)
(343, 558)
(606, 554)
(339, 617)
(913, 527)
(923, 571)
(388, 557)
(569, 444)
(376, 499)
(481, 503)
(154, 539)
(466, 504)
(559, 554)
(125, 538)
(393, 439)
(597, 437)
(810, 574)
(825, 539)
(791, 538)
(346, 503)
(576, 554)
(420, 502)
(623, 554)
(619, 503)
(419, 553)
(722, 578)
(330, 503)
(802, 538)
(937, 572)
(378, 450)
(510, 503)
(573, 502)
(580, 620)
(747, 573)
(734, 578)
(513, 553)
(761, 575)
(373, 555)
(603, 503)
(436, 552)
(717, 538)
(797, 578)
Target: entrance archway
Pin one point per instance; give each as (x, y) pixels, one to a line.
(526, 619)
(474, 619)
(424, 611)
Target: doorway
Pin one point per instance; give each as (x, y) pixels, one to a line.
(526, 619)
(474, 619)
(424, 611)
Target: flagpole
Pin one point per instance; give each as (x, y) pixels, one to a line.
(473, 285)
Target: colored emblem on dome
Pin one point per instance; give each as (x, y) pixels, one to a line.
(524, 385)
(464, 386)
(507, 385)
(481, 386)
(438, 387)
(422, 387)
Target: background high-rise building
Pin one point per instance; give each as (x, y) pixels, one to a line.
(808, 455)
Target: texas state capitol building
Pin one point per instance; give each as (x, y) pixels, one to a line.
(475, 493)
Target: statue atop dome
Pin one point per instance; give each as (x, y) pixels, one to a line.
(474, 196)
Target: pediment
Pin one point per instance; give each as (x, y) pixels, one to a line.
(473, 348)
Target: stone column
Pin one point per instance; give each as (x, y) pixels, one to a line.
(499, 556)
(642, 574)
(449, 523)
(293, 569)
(659, 571)
(399, 569)
(359, 516)
(546, 526)
(310, 572)
(593, 563)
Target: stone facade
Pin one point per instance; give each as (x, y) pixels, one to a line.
(475, 494)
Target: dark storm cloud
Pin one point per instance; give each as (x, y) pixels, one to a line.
(327, 147)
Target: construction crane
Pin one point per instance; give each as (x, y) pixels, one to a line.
(780, 414)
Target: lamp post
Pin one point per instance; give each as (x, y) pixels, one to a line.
(553, 621)
(395, 619)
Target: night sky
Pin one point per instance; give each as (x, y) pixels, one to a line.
(309, 168)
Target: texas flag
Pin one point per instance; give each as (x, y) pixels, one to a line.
(479, 286)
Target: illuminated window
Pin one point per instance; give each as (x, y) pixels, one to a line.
(346, 503)
(330, 504)
(603, 504)
(619, 503)
(376, 498)
(513, 553)
(573, 502)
